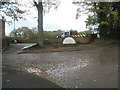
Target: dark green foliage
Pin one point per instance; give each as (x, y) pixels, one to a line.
(30, 34)
(108, 19)
(105, 15)
(24, 33)
(52, 34)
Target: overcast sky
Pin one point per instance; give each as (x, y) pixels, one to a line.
(63, 19)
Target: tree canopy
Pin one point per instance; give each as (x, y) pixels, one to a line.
(104, 15)
(32, 34)
(40, 6)
(24, 33)
(10, 9)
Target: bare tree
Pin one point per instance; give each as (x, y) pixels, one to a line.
(39, 6)
(43, 6)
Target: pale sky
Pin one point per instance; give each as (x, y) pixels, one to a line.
(63, 19)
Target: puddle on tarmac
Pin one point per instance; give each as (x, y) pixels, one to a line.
(33, 70)
(59, 71)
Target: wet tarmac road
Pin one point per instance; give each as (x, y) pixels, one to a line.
(95, 68)
(12, 78)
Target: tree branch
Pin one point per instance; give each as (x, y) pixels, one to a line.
(35, 3)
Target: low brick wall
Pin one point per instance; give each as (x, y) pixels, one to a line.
(27, 41)
(83, 40)
(55, 40)
(8, 40)
(51, 40)
(5, 43)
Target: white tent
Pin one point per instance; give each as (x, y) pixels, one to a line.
(69, 40)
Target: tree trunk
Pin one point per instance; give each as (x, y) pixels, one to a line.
(40, 23)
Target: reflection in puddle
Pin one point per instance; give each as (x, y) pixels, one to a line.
(33, 70)
(62, 70)
(58, 71)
